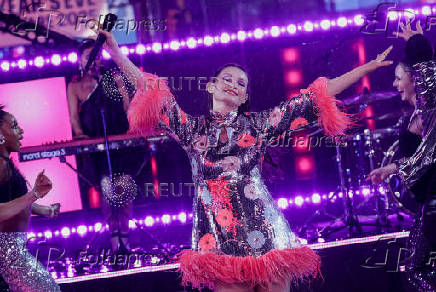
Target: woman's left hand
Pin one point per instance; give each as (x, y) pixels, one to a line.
(381, 61)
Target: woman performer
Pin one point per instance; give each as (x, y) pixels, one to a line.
(418, 173)
(240, 240)
(20, 270)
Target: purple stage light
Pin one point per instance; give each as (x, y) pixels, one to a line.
(392, 15)
(242, 35)
(282, 203)
(132, 224)
(166, 219)
(299, 201)
(48, 234)
(208, 40)
(316, 198)
(275, 31)
(39, 234)
(124, 50)
(381, 190)
(341, 194)
(39, 61)
(149, 221)
(174, 45)
(173, 217)
(325, 24)
(81, 230)
(225, 38)
(291, 201)
(5, 66)
(65, 232)
(258, 33)
(342, 21)
(366, 191)
(56, 59)
(156, 47)
(191, 43)
(182, 217)
(73, 230)
(140, 49)
(292, 28)
(308, 26)
(22, 64)
(98, 226)
(72, 57)
(358, 19)
(57, 233)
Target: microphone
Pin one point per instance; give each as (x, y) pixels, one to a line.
(108, 24)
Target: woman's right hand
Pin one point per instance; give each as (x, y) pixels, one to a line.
(43, 185)
(407, 30)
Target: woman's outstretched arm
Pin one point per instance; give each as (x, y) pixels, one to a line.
(338, 84)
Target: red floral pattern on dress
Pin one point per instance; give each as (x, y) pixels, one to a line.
(182, 117)
(298, 123)
(224, 217)
(246, 140)
(207, 242)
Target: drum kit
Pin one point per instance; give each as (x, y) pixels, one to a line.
(364, 151)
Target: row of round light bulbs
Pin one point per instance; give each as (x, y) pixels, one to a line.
(224, 38)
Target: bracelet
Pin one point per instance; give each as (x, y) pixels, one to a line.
(51, 211)
(35, 193)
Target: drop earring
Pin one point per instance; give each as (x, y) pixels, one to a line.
(2, 139)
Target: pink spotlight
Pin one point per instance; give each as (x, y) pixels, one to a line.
(5, 66)
(225, 38)
(208, 40)
(342, 21)
(292, 28)
(39, 62)
(65, 232)
(166, 219)
(275, 31)
(191, 43)
(81, 230)
(325, 24)
(72, 57)
(56, 59)
(156, 47)
(258, 33)
(282, 203)
(22, 64)
(242, 35)
(149, 221)
(299, 201)
(316, 198)
(140, 49)
(174, 45)
(308, 26)
(182, 217)
(358, 19)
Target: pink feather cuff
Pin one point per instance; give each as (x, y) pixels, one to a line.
(204, 269)
(330, 117)
(146, 106)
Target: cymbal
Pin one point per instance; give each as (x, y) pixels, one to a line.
(369, 97)
(377, 133)
(388, 116)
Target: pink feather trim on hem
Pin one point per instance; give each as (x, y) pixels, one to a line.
(145, 108)
(332, 119)
(201, 269)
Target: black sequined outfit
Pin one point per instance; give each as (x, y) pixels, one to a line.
(419, 171)
(18, 268)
